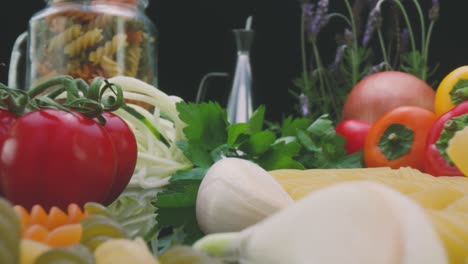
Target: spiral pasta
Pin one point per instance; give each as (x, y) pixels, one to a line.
(90, 42)
(133, 60)
(78, 15)
(76, 254)
(110, 67)
(99, 227)
(109, 48)
(83, 42)
(64, 37)
(123, 251)
(101, 21)
(87, 72)
(10, 233)
(186, 254)
(31, 250)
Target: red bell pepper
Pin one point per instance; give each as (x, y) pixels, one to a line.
(355, 132)
(436, 160)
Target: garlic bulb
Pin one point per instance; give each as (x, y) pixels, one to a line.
(355, 222)
(235, 194)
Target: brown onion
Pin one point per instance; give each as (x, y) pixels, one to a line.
(381, 92)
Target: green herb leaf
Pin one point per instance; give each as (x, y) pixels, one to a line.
(322, 127)
(258, 143)
(238, 134)
(193, 176)
(306, 141)
(197, 153)
(257, 119)
(280, 157)
(396, 141)
(206, 124)
(290, 125)
(184, 219)
(459, 92)
(323, 148)
(456, 124)
(182, 196)
(414, 63)
(176, 204)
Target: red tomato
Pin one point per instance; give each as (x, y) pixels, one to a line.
(6, 121)
(54, 158)
(355, 132)
(125, 147)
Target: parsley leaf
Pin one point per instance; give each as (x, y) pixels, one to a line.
(176, 206)
(323, 148)
(206, 124)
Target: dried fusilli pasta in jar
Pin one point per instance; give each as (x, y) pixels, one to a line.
(91, 38)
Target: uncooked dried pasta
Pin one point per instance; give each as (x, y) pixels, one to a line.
(73, 65)
(64, 37)
(83, 42)
(100, 21)
(109, 48)
(110, 67)
(75, 42)
(79, 16)
(88, 72)
(444, 192)
(10, 233)
(133, 60)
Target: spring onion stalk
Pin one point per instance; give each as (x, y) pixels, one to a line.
(352, 222)
(156, 130)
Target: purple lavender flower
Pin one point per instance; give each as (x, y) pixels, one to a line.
(348, 36)
(308, 9)
(304, 104)
(434, 11)
(320, 19)
(404, 40)
(340, 51)
(376, 68)
(307, 13)
(374, 21)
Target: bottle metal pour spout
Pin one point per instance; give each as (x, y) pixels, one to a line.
(240, 105)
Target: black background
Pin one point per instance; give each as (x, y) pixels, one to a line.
(195, 38)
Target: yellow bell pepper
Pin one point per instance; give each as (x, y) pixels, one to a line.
(450, 91)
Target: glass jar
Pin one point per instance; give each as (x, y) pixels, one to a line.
(90, 38)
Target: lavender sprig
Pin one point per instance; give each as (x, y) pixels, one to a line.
(433, 17)
(304, 105)
(340, 51)
(307, 11)
(318, 20)
(376, 68)
(404, 41)
(434, 12)
(374, 22)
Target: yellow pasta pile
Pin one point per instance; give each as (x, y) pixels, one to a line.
(87, 43)
(445, 198)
